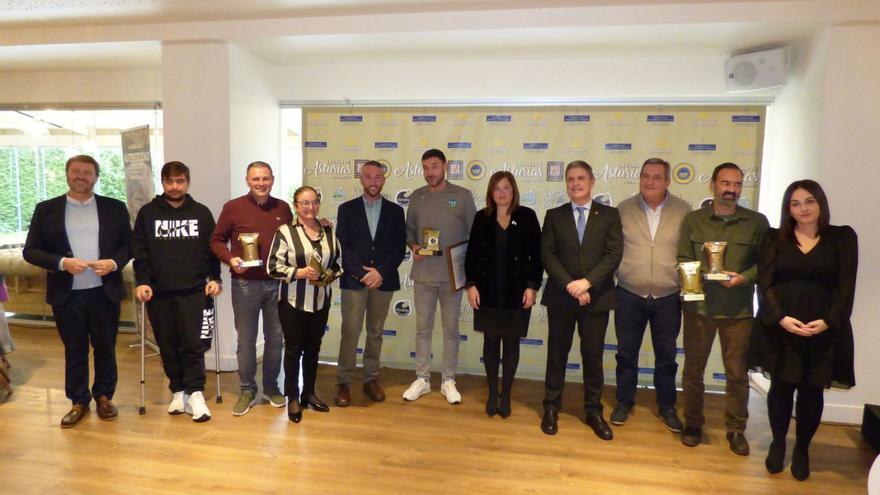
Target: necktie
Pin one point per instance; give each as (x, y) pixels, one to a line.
(581, 223)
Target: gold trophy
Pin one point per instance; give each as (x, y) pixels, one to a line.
(430, 243)
(250, 250)
(689, 277)
(714, 251)
(325, 276)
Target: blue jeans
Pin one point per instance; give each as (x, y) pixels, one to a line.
(632, 314)
(249, 298)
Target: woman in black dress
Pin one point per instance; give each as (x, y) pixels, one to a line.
(503, 269)
(806, 282)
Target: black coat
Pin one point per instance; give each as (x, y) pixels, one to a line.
(595, 259)
(523, 263)
(359, 249)
(47, 243)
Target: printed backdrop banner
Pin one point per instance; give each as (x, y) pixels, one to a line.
(533, 143)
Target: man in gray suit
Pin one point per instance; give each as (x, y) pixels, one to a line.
(581, 246)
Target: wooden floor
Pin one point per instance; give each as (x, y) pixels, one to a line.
(393, 447)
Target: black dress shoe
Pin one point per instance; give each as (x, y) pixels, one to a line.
(738, 443)
(294, 410)
(312, 401)
(504, 406)
(775, 457)
(599, 426)
(691, 436)
(492, 405)
(800, 463)
(549, 423)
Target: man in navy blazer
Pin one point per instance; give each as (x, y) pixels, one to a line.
(83, 241)
(372, 232)
(581, 246)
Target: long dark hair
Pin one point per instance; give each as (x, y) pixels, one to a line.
(787, 223)
(493, 181)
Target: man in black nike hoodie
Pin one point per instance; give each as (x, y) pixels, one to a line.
(175, 270)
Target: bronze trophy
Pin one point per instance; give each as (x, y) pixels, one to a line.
(689, 277)
(325, 276)
(715, 260)
(250, 250)
(430, 243)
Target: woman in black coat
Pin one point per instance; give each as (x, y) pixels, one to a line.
(503, 269)
(806, 282)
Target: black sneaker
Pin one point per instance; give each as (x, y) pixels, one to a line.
(620, 415)
(671, 421)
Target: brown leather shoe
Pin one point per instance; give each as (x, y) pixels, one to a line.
(374, 391)
(76, 413)
(343, 395)
(106, 410)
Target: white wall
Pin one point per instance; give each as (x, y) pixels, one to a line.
(850, 147)
(77, 87)
(507, 77)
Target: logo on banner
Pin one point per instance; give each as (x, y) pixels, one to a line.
(351, 119)
(555, 198)
(705, 202)
(628, 173)
(402, 308)
(424, 119)
(529, 198)
(536, 146)
(683, 173)
(704, 119)
(498, 119)
(455, 169)
(385, 145)
(746, 147)
(316, 145)
(476, 170)
(702, 148)
(386, 166)
(555, 171)
(577, 145)
(618, 146)
(358, 165)
(339, 194)
(387, 119)
(458, 145)
(661, 146)
(604, 199)
(619, 119)
(463, 119)
(402, 197)
(537, 119)
(526, 171)
(351, 146)
(661, 119)
(340, 169)
(498, 146)
(576, 118)
(745, 119)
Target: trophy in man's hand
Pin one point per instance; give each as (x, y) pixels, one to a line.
(250, 256)
(430, 243)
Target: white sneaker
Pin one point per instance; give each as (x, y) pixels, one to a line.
(177, 404)
(448, 390)
(198, 408)
(418, 388)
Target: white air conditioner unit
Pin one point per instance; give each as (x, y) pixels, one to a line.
(756, 71)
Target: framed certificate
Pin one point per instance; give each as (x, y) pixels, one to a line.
(455, 256)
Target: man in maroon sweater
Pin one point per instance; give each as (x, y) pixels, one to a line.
(252, 290)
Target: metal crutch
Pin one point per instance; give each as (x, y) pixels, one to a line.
(143, 323)
(217, 347)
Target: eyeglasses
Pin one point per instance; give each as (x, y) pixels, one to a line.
(309, 204)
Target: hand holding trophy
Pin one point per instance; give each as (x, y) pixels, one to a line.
(250, 251)
(325, 276)
(430, 243)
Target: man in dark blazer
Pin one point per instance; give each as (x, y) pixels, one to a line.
(372, 233)
(581, 246)
(83, 241)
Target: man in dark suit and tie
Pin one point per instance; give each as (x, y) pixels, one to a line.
(83, 241)
(372, 232)
(581, 246)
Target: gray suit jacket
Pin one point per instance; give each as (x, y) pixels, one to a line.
(595, 259)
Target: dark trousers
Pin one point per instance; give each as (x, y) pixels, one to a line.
(88, 315)
(633, 312)
(699, 334)
(303, 332)
(591, 329)
(176, 317)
